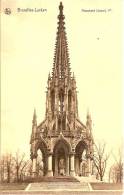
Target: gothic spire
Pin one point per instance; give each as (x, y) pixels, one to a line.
(61, 66)
(89, 120)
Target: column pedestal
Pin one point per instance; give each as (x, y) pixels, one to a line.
(72, 173)
(50, 173)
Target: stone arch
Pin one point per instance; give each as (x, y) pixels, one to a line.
(64, 141)
(42, 146)
(80, 149)
(61, 153)
(80, 145)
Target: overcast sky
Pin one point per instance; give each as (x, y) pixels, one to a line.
(28, 42)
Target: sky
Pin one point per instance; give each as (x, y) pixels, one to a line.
(27, 51)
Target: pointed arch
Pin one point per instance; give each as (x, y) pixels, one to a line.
(80, 146)
(63, 123)
(52, 100)
(42, 146)
(61, 100)
(69, 100)
(63, 142)
(80, 154)
(61, 151)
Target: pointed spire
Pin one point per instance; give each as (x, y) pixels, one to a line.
(88, 113)
(34, 121)
(61, 66)
(89, 120)
(61, 8)
(49, 77)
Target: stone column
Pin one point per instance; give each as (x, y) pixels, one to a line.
(72, 171)
(91, 167)
(77, 168)
(50, 171)
(56, 166)
(88, 167)
(34, 167)
(80, 168)
(67, 166)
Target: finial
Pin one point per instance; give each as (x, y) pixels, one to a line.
(89, 120)
(49, 77)
(34, 116)
(61, 16)
(88, 113)
(56, 74)
(61, 7)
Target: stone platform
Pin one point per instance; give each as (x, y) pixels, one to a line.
(66, 183)
(58, 186)
(55, 179)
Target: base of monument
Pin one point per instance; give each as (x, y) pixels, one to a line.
(34, 174)
(49, 173)
(72, 173)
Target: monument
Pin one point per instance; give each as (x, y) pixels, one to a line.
(66, 144)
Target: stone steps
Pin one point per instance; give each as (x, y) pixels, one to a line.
(54, 179)
(58, 186)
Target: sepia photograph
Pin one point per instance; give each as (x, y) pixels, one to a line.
(61, 97)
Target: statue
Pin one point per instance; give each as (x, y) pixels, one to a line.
(62, 166)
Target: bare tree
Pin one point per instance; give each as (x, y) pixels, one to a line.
(20, 165)
(6, 167)
(100, 159)
(116, 171)
(2, 168)
(28, 169)
(14, 167)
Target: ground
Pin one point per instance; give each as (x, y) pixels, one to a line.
(106, 186)
(13, 186)
(97, 188)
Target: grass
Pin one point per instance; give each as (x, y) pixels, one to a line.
(107, 186)
(13, 186)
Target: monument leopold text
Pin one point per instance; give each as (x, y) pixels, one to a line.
(65, 142)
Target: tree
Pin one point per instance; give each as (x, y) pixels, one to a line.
(2, 168)
(6, 167)
(14, 167)
(100, 159)
(20, 165)
(116, 171)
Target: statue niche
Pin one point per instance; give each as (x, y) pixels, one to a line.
(61, 161)
(62, 166)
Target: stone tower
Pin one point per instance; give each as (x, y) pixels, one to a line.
(65, 142)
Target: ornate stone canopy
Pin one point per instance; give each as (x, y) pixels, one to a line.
(61, 136)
